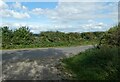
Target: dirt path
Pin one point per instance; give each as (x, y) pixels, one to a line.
(35, 64)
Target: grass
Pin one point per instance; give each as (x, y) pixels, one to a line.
(94, 64)
(50, 44)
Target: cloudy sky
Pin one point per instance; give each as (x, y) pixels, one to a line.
(61, 16)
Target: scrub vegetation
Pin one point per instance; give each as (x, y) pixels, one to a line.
(99, 63)
(23, 38)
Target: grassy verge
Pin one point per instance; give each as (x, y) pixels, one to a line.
(50, 45)
(94, 64)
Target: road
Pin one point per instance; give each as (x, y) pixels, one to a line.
(36, 64)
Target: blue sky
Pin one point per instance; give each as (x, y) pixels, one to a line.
(61, 16)
(33, 5)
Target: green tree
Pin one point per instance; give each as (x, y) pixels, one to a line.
(22, 36)
(6, 37)
(111, 37)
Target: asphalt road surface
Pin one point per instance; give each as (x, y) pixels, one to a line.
(36, 64)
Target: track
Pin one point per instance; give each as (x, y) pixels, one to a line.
(35, 64)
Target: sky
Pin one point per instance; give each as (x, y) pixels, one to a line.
(59, 16)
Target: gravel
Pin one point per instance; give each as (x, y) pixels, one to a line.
(36, 64)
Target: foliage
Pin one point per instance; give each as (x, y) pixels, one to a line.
(111, 37)
(95, 64)
(6, 37)
(11, 39)
(23, 38)
(98, 63)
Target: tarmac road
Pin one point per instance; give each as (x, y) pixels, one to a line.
(37, 63)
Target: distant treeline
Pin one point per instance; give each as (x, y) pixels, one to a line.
(23, 38)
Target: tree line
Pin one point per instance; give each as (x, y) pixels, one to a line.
(23, 38)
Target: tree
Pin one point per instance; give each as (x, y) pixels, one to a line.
(111, 37)
(22, 36)
(6, 36)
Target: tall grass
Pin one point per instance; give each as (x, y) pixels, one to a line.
(95, 64)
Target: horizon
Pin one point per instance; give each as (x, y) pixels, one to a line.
(59, 16)
(52, 31)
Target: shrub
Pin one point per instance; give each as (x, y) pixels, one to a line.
(95, 64)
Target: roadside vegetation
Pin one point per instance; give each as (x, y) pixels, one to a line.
(23, 38)
(99, 63)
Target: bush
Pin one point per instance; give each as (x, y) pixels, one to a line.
(95, 64)
(23, 38)
(111, 37)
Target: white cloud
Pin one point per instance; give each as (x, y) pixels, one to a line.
(6, 12)
(88, 0)
(13, 25)
(94, 26)
(19, 15)
(25, 8)
(13, 14)
(3, 5)
(65, 15)
(37, 28)
(72, 11)
(37, 11)
(18, 5)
